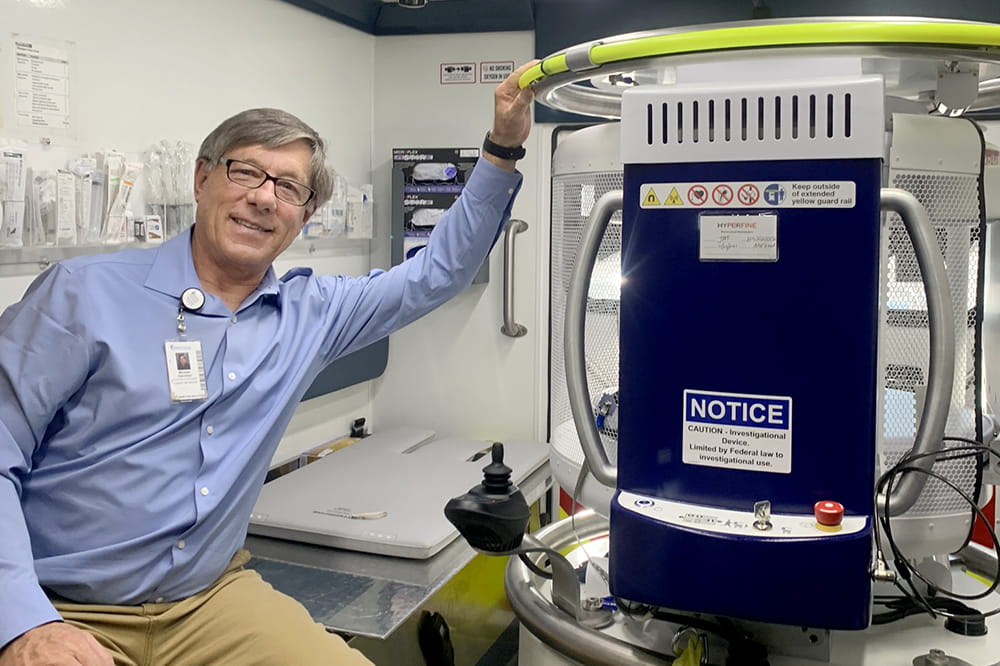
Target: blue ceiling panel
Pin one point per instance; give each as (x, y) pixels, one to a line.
(436, 17)
(447, 16)
(360, 14)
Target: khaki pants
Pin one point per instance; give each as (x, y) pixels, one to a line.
(240, 620)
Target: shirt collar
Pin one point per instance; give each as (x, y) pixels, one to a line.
(173, 271)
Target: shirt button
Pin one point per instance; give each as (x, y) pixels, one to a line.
(209, 430)
(158, 600)
(233, 319)
(510, 191)
(232, 376)
(181, 544)
(204, 491)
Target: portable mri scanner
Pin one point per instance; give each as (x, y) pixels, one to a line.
(767, 307)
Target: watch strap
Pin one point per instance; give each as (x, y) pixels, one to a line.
(503, 152)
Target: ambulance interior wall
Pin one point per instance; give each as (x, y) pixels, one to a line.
(454, 371)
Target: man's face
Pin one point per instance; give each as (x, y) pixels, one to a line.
(240, 231)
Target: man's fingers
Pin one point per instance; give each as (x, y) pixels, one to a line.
(55, 643)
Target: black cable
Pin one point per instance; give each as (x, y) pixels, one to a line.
(963, 495)
(913, 600)
(535, 569)
(889, 477)
(903, 572)
(729, 634)
(902, 607)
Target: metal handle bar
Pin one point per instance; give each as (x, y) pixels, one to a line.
(510, 327)
(575, 361)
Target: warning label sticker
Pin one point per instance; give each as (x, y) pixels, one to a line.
(756, 194)
(697, 195)
(495, 72)
(458, 72)
(738, 431)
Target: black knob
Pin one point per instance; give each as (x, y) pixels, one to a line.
(496, 475)
(493, 515)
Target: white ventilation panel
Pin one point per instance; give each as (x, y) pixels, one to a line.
(744, 121)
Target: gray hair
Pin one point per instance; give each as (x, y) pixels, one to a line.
(271, 128)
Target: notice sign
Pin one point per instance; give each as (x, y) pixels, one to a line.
(495, 72)
(738, 431)
(458, 72)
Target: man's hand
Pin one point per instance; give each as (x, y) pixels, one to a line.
(55, 644)
(512, 110)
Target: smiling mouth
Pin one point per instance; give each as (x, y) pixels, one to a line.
(249, 225)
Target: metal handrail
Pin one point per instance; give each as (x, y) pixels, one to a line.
(510, 328)
(941, 365)
(556, 628)
(575, 355)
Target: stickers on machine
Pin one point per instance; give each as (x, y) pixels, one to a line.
(750, 194)
(738, 431)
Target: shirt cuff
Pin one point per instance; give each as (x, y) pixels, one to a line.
(24, 609)
(487, 180)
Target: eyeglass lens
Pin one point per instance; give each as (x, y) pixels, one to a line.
(248, 175)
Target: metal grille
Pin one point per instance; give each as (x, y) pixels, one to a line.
(952, 203)
(573, 197)
(753, 120)
(750, 118)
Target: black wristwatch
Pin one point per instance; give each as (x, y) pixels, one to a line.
(503, 152)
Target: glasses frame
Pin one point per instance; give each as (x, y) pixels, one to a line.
(228, 163)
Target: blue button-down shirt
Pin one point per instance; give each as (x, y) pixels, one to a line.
(111, 493)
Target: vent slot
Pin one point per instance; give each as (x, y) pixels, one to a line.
(760, 118)
(743, 119)
(729, 121)
(711, 120)
(777, 119)
(694, 121)
(847, 115)
(795, 116)
(680, 122)
(829, 116)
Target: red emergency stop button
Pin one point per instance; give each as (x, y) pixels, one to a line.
(828, 513)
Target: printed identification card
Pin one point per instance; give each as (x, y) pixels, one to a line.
(185, 370)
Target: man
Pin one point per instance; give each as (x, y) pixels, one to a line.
(126, 483)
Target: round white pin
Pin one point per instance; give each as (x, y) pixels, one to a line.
(192, 299)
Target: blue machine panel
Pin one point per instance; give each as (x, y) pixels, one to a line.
(748, 376)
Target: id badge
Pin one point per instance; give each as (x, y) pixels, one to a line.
(185, 370)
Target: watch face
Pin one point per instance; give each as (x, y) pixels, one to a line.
(192, 299)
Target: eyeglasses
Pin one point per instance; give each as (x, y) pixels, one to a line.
(250, 176)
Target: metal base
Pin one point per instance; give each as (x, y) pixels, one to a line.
(549, 637)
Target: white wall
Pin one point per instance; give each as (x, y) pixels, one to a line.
(453, 371)
(991, 131)
(142, 72)
(146, 71)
